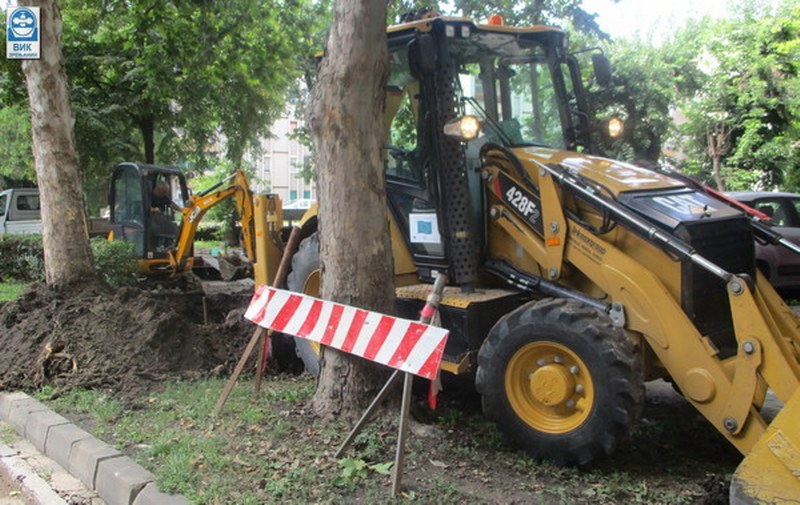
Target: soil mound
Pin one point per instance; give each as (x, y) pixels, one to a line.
(88, 335)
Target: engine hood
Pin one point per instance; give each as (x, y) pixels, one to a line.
(617, 176)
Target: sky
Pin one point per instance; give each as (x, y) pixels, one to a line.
(651, 19)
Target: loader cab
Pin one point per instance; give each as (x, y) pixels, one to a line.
(523, 90)
(141, 213)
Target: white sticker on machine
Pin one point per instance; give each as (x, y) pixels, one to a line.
(424, 228)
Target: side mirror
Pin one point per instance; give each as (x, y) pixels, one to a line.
(602, 69)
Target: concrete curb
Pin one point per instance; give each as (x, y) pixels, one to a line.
(116, 478)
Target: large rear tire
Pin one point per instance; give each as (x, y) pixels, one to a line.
(304, 278)
(560, 380)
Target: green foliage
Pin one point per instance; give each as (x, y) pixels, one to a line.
(176, 82)
(554, 12)
(114, 261)
(353, 469)
(10, 291)
(356, 469)
(746, 111)
(643, 90)
(21, 258)
(15, 149)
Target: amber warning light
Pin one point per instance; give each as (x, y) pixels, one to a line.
(497, 20)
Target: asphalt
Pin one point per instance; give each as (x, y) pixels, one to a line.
(78, 465)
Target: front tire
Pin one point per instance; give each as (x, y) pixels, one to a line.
(560, 380)
(304, 278)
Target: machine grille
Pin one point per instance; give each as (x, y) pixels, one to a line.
(729, 244)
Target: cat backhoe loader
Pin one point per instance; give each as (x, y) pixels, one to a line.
(574, 278)
(163, 235)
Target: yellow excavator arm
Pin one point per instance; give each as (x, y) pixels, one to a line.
(235, 185)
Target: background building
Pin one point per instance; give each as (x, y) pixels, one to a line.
(280, 160)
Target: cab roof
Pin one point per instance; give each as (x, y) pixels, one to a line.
(536, 32)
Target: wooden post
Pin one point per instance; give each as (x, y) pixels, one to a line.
(367, 414)
(431, 305)
(402, 433)
(257, 335)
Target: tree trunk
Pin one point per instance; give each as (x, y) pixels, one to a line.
(65, 238)
(715, 169)
(347, 127)
(147, 127)
(717, 147)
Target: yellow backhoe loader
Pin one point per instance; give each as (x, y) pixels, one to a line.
(574, 278)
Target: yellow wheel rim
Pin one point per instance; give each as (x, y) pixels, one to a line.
(549, 387)
(311, 288)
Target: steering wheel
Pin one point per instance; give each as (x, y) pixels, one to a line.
(397, 152)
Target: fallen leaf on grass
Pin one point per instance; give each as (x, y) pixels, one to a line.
(438, 464)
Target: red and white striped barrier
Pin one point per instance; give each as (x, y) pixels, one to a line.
(408, 346)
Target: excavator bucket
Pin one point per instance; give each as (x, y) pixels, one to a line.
(771, 471)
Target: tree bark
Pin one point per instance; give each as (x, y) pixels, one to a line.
(65, 239)
(347, 127)
(147, 127)
(717, 147)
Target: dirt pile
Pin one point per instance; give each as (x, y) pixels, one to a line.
(88, 335)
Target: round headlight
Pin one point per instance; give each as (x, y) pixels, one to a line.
(464, 128)
(615, 127)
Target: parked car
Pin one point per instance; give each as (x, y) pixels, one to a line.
(780, 265)
(304, 204)
(295, 210)
(19, 211)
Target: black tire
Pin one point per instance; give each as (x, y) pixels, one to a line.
(304, 263)
(569, 408)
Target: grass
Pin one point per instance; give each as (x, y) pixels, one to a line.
(268, 449)
(7, 434)
(9, 291)
(208, 244)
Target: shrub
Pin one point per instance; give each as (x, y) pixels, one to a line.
(114, 262)
(21, 258)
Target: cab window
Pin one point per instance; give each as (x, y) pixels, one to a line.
(128, 207)
(401, 117)
(774, 209)
(28, 202)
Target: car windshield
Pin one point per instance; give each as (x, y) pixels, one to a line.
(508, 83)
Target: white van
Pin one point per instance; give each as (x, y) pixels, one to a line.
(19, 211)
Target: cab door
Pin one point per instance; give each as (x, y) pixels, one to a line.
(127, 201)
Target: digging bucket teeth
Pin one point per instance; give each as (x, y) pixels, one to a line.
(771, 471)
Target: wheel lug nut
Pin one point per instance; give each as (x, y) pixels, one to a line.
(579, 388)
(574, 370)
(541, 362)
(570, 403)
(530, 376)
(558, 359)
